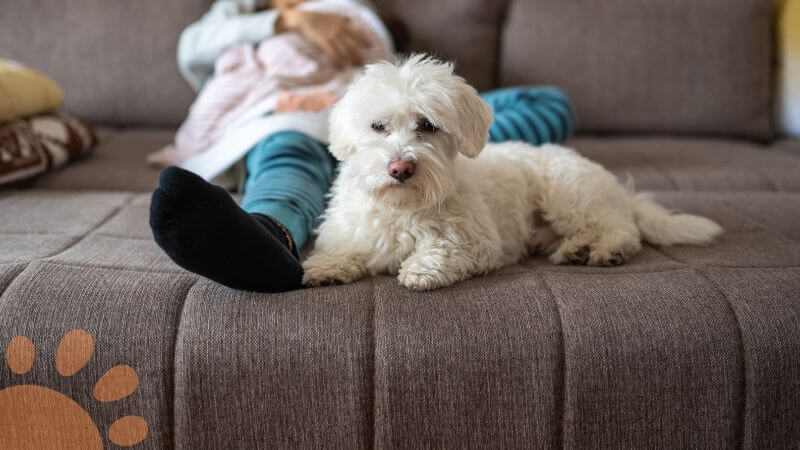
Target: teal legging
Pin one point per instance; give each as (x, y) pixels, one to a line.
(536, 115)
(289, 173)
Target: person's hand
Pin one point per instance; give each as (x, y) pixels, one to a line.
(285, 4)
(336, 35)
(308, 101)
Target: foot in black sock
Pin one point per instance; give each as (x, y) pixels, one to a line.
(204, 231)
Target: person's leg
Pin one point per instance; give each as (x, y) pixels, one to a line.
(204, 231)
(536, 115)
(288, 175)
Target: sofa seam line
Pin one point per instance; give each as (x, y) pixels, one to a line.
(71, 243)
(660, 251)
(788, 266)
(768, 180)
(683, 266)
(101, 267)
(122, 236)
(36, 233)
(742, 413)
(561, 436)
(610, 271)
(14, 278)
(662, 171)
(374, 367)
(708, 266)
(178, 321)
(102, 222)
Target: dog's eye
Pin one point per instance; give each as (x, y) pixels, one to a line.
(378, 126)
(426, 126)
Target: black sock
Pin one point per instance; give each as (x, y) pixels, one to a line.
(204, 231)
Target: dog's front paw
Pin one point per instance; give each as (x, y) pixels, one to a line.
(421, 279)
(327, 270)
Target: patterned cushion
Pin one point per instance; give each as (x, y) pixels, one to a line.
(35, 145)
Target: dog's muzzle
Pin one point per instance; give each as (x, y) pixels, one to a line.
(401, 170)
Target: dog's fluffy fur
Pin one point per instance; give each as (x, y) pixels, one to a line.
(469, 207)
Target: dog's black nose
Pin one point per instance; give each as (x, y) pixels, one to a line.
(401, 170)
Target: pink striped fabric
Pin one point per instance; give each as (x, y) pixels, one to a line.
(250, 78)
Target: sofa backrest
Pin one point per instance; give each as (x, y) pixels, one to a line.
(464, 31)
(115, 59)
(656, 66)
(663, 66)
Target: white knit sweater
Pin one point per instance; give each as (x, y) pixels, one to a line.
(229, 23)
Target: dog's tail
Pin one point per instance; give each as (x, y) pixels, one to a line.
(661, 227)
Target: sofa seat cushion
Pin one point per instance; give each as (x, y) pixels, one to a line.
(655, 163)
(696, 164)
(681, 341)
(788, 146)
(118, 163)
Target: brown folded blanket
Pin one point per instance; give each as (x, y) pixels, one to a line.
(29, 147)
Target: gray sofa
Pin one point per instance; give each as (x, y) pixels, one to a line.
(683, 347)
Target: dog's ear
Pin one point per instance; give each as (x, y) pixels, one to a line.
(471, 130)
(340, 130)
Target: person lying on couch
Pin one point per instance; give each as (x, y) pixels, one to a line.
(266, 80)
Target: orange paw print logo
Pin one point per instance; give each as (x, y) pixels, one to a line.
(33, 416)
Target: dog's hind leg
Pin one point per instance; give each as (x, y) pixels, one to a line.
(586, 205)
(602, 241)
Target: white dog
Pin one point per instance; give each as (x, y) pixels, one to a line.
(420, 194)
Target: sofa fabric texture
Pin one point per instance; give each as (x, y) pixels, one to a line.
(464, 31)
(687, 347)
(678, 66)
(118, 58)
(682, 346)
(115, 59)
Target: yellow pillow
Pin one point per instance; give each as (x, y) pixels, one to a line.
(789, 68)
(25, 92)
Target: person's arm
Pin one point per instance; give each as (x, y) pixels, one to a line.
(228, 23)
